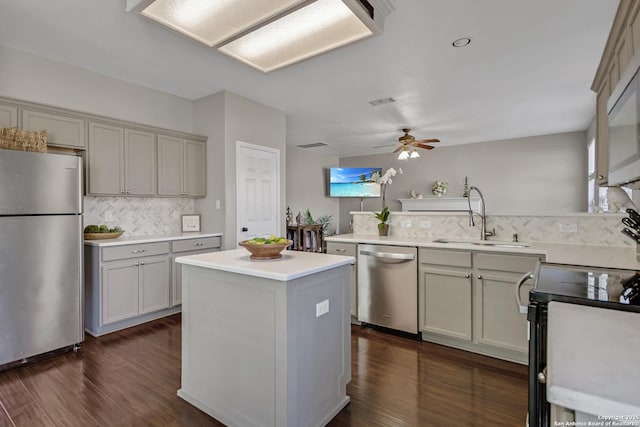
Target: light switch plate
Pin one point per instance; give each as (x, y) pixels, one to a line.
(217, 204)
(108, 216)
(568, 227)
(405, 224)
(322, 308)
(425, 224)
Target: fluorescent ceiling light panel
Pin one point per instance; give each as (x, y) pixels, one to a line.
(309, 31)
(214, 21)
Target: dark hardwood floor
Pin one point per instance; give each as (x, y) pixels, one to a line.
(130, 378)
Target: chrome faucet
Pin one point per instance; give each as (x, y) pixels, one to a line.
(483, 216)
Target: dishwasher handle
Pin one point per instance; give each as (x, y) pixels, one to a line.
(389, 255)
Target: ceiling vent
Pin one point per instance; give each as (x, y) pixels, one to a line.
(314, 145)
(382, 101)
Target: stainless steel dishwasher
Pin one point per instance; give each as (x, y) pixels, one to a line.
(388, 286)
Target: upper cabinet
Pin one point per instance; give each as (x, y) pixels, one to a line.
(181, 167)
(623, 43)
(62, 130)
(8, 116)
(121, 161)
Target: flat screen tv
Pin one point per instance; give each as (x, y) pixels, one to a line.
(353, 182)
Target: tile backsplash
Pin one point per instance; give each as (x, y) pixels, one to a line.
(580, 228)
(138, 215)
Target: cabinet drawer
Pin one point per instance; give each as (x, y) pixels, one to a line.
(441, 257)
(195, 244)
(349, 249)
(133, 251)
(513, 263)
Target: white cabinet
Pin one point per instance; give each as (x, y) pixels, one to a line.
(188, 247)
(467, 300)
(181, 167)
(444, 293)
(126, 285)
(348, 249)
(8, 116)
(121, 161)
(62, 130)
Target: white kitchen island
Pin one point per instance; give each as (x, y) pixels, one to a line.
(266, 343)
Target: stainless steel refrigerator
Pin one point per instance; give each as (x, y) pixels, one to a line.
(41, 294)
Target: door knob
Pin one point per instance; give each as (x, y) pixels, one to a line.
(244, 229)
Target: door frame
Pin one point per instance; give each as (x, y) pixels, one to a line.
(276, 151)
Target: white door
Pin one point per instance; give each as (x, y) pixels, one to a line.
(257, 191)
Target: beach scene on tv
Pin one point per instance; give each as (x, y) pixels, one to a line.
(353, 182)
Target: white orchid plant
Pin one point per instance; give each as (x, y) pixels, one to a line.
(384, 180)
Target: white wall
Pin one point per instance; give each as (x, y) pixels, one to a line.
(37, 79)
(243, 120)
(307, 185)
(526, 175)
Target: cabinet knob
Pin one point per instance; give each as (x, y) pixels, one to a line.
(121, 191)
(600, 177)
(466, 276)
(142, 263)
(340, 250)
(479, 276)
(137, 263)
(127, 191)
(542, 376)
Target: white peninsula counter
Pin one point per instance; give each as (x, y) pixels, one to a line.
(266, 343)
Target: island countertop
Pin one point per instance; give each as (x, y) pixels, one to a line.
(292, 264)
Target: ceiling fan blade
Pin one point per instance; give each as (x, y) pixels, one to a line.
(429, 140)
(427, 147)
(398, 149)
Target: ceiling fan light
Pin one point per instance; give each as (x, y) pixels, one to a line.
(404, 155)
(414, 154)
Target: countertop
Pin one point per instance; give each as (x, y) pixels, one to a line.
(130, 240)
(292, 265)
(573, 254)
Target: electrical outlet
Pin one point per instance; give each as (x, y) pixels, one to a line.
(217, 204)
(405, 224)
(568, 227)
(425, 224)
(108, 216)
(322, 308)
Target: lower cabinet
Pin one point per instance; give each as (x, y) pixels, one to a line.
(126, 285)
(134, 287)
(467, 300)
(185, 248)
(348, 249)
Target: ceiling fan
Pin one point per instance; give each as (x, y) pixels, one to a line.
(408, 145)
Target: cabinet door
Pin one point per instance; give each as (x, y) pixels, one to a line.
(62, 131)
(602, 134)
(140, 162)
(9, 116)
(154, 284)
(349, 249)
(195, 169)
(106, 159)
(498, 318)
(119, 292)
(445, 302)
(176, 279)
(170, 165)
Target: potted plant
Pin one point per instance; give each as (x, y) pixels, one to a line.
(383, 217)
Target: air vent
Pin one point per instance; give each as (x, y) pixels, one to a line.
(381, 101)
(314, 145)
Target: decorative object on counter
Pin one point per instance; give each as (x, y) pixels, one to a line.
(191, 222)
(439, 188)
(383, 217)
(270, 248)
(99, 232)
(415, 195)
(23, 140)
(618, 200)
(308, 218)
(299, 219)
(384, 180)
(325, 221)
(465, 191)
(289, 215)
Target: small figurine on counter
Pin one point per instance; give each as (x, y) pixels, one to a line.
(289, 216)
(465, 192)
(299, 219)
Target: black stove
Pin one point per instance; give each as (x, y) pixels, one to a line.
(599, 287)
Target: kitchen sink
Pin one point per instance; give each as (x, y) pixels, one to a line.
(496, 244)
